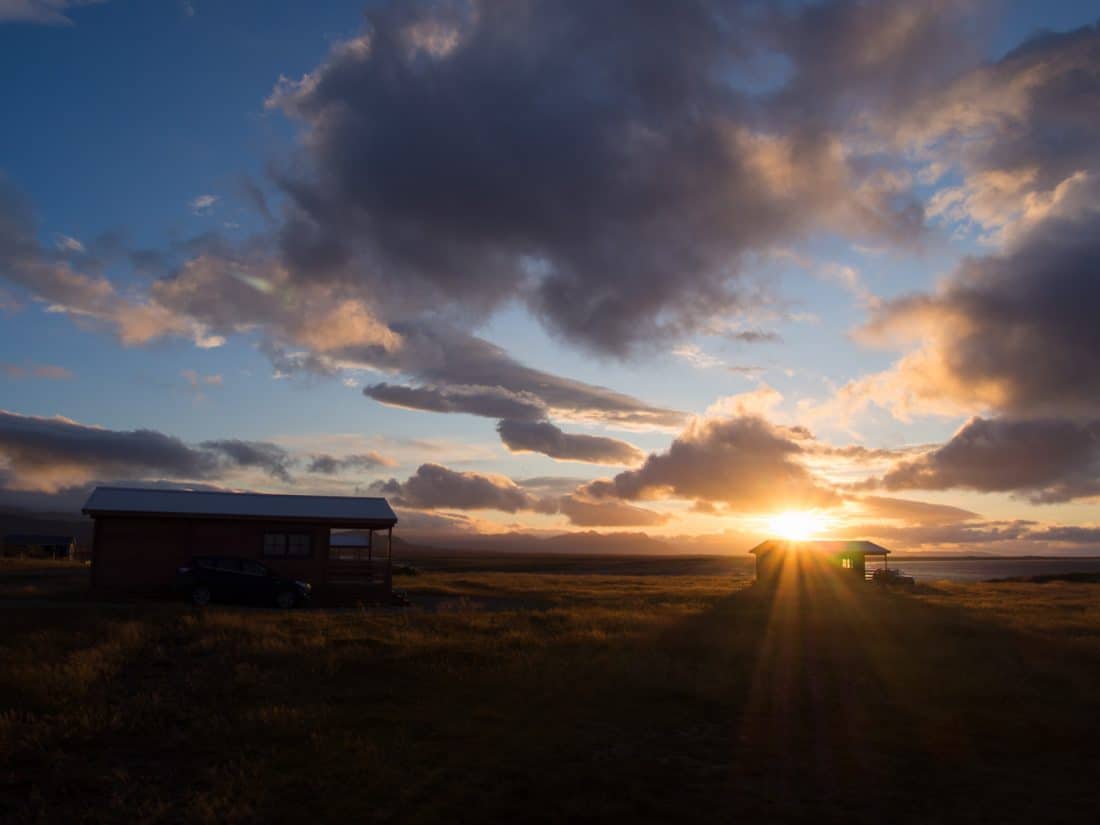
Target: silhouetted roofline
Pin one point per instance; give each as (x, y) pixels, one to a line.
(867, 548)
(137, 501)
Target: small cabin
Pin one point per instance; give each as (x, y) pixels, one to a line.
(846, 558)
(141, 537)
(33, 546)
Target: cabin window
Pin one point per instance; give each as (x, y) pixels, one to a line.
(846, 563)
(287, 545)
(275, 545)
(297, 546)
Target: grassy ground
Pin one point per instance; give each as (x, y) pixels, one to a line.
(678, 698)
(43, 579)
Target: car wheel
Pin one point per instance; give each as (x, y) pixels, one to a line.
(285, 600)
(200, 596)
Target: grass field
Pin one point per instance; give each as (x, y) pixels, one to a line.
(555, 696)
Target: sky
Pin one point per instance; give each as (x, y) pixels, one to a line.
(705, 270)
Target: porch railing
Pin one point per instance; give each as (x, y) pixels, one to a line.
(358, 571)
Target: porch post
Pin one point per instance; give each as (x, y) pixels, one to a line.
(389, 558)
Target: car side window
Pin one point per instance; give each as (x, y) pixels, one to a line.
(253, 569)
(229, 565)
(204, 564)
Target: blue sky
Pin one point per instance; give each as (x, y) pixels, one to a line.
(139, 126)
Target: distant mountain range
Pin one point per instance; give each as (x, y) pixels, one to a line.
(587, 542)
(51, 524)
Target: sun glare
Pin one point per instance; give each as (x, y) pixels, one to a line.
(796, 525)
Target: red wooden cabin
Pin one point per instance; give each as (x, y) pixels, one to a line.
(142, 536)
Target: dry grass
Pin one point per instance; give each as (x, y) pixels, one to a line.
(14, 564)
(43, 579)
(641, 697)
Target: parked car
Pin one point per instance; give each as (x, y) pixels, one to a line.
(226, 579)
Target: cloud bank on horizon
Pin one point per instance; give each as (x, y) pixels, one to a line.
(632, 182)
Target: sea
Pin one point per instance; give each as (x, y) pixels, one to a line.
(976, 569)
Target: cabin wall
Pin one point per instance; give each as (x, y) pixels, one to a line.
(770, 567)
(139, 554)
(767, 568)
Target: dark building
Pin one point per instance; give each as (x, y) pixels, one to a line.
(848, 558)
(141, 537)
(26, 545)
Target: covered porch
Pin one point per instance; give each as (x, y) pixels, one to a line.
(360, 562)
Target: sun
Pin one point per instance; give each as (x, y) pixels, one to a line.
(797, 525)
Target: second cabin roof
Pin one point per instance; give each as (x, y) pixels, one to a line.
(866, 548)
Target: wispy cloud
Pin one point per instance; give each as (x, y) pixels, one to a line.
(49, 372)
(69, 244)
(203, 204)
(698, 358)
(197, 381)
(42, 12)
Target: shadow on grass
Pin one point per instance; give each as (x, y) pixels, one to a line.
(814, 701)
(860, 704)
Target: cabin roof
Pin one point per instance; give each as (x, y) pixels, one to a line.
(866, 548)
(197, 503)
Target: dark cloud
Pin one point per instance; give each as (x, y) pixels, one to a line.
(586, 513)
(48, 454)
(543, 437)
(447, 524)
(915, 512)
(598, 160)
(329, 465)
(437, 487)
(454, 363)
(551, 485)
(1047, 460)
(1013, 331)
(852, 56)
(1007, 535)
(1009, 332)
(601, 163)
(263, 455)
(743, 462)
(44, 453)
(756, 336)
(69, 499)
(433, 487)
(859, 454)
(1016, 128)
(1068, 534)
(492, 402)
